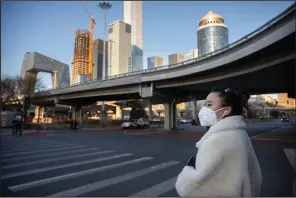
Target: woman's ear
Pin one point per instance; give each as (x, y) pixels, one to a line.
(228, 111)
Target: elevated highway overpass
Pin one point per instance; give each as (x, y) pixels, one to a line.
(261, 62)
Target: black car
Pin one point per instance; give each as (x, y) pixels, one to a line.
(285, 119)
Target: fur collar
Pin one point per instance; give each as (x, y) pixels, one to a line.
(225, 124)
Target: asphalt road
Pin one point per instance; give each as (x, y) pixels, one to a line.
(252, 128)
(117, 164)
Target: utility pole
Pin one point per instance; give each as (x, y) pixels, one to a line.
(104, 5)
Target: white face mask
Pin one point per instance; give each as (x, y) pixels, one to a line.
(208, 117)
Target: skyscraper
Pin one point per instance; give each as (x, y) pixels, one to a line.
(119, 48)
(80, 58)
(176, 58)
(98, 59)
(191, 54)
(133, 16)
(153, 62)
(212, 34)
(35, 62)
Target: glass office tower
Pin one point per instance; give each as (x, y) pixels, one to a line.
(212, 34)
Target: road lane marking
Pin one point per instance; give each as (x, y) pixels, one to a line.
(8, 145)
(157, 189)
(54, 159)
(291, 155)
(44, 147)
(47, 150)
(143, 133)
(112, 181)
(47, 155)
(32, 145)
(17, 174)
(75, 174)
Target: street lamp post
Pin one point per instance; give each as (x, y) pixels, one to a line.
(104, 5)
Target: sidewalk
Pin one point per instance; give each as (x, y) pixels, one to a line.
(8, 132)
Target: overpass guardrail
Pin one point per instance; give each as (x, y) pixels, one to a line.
(194, 60)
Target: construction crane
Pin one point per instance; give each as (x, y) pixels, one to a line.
(92, 24)
(66, 27)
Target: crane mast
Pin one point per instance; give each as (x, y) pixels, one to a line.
(92, 24)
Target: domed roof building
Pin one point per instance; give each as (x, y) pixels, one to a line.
(212, 33)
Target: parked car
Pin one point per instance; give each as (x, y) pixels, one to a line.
(285, 119)
(264, 116)
(135, 124)
(183, 121)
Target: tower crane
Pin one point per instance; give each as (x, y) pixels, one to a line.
(92, 24)
(66, 27)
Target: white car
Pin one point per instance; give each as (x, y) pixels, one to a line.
(137, 123)
(127, 125)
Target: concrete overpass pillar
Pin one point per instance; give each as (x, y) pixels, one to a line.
(150, 113)
(170, 116)
(77, 114)
(194, 113)
(173, 115)
(39, 113)
(122, 113)
(119, 113)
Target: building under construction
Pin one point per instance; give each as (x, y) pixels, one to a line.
(80, 64)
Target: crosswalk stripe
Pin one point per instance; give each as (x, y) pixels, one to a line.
(158, 189)
(30, 145)
(55, 159)
(17, 174)
(27, 143)
(114, 180)
(45, 147)
(30, 152)
(47, 155)
(277, 136)
(291, 155)
(280, 140)
(75, 174)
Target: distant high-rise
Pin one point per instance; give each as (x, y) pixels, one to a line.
(176, 58)
(155, 61)
(80, 58)
(35, 62)
(212, 34)
(119, 48)
(191, 54)
(98, 59)
(133, 16)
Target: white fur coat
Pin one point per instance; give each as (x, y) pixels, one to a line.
(223, 164)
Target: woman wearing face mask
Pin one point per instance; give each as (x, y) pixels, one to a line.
(226, 164)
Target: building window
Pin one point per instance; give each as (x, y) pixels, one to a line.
(128, 28)
(110, 30)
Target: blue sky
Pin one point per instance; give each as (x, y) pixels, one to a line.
(168, 27)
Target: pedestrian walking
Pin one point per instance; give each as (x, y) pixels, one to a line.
(17, 125)
(75, 124)
(14, 122)
(71, 124)
(225, 164)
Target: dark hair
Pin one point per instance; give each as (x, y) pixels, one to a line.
(237, 99)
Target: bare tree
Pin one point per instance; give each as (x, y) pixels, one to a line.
(9, 90)
(15, 88)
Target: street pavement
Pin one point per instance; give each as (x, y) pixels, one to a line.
(81, 163)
